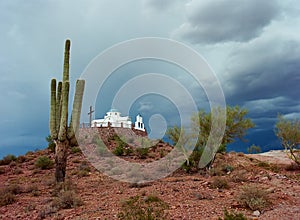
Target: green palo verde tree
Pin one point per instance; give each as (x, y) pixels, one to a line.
(288, 131)
(63, 134)
(236, 127)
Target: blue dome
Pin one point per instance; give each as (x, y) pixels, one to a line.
(113, 110)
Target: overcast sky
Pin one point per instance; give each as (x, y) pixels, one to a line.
(253, 46)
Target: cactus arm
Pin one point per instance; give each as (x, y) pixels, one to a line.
(66, 61)
(77, 104)
(53, 128)
(58, 105)
(63, 128)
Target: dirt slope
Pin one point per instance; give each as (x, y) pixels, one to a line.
(189, 196)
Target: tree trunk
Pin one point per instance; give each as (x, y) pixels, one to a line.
(61, 160)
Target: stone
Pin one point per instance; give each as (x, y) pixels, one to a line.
(256, 213)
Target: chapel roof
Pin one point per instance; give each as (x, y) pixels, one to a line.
(113, 110)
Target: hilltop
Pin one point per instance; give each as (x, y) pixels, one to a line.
(234, 180)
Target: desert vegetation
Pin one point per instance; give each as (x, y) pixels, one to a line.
(62, 134)
(59, 182)
(288, 131)
(236, 127)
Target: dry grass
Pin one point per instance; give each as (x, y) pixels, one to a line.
(253, 197)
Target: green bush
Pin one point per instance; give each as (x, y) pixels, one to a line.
(121, 147)
(44, 163)
(8, 159)
(51, 144)
(119, 150)
(75, 150)
(142, 152)
(253, 198)
(194, 158)
(253, 149)
(143, 208)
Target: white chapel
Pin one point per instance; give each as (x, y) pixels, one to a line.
(114, 119)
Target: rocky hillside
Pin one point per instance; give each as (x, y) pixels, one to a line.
(252, 186)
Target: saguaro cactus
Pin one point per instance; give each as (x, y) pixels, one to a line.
(62, 133)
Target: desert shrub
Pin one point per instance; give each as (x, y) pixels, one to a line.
(14, 189)
(288, 131)
(17, 171)
(66, 200)
(119, 150)
(47, 211)
(274, 168)
(8, 159)
(233, 216)
(75, 150)
(33, 189)
(142, 152)
(100, 146)
(6, 198)
(220, 169)
(193, 161)
(130, 140)
(143, 208)
(253, 197)
(227, 168)
(51, 144)
(82, 173)
(2, 170)
(222, 149)
(44, 163)
(128, 150)
(83, 169)
(21, 159)
(7, 194)
(239, 176)
(67, 185)
(216, 171)
(253, 149)
(12, 164)
(219, 183)
(263, 164)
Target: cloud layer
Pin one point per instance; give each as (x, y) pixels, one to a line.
(253, 46)
(223, 21)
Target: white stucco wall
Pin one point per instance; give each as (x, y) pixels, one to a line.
(117, 121)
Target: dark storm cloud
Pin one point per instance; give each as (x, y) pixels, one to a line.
(222, 21)
(264, 69)
(263, 76)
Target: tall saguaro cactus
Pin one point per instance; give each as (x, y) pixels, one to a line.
(62, 133)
